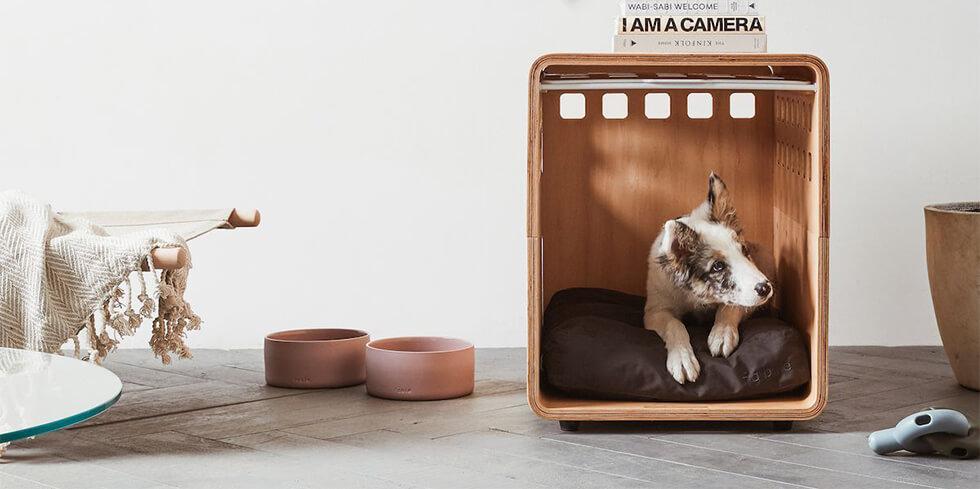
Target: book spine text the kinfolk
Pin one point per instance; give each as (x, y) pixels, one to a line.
(739, 24)
(689, 43)
(681, 7)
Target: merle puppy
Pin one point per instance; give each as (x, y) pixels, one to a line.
(701, 264)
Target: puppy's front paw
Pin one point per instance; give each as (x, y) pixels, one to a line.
(682, 364)
(722, 339)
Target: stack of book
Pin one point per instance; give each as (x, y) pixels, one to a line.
(684, 26)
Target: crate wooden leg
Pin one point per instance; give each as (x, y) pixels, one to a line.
(782, 425)
(568, 425)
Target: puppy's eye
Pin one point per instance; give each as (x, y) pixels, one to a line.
(718, 266)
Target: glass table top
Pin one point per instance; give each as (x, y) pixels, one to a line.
(40, 392)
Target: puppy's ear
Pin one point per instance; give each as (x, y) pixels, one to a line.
(679, 240)
(720, 204)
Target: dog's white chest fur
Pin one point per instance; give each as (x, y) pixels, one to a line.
(699, 263)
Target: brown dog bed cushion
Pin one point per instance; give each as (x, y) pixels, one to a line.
(594, 345)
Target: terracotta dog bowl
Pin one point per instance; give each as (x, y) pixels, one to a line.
(419, 368)
(315, 358)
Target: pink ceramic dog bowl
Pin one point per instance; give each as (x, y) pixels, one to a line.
(315, 358)
(419, 368)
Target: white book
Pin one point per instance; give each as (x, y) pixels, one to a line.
(692, 24)
(685, 43)
(688, 7)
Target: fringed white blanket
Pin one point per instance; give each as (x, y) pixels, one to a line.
(60, 275)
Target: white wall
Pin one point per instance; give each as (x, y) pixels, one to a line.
(395, 203)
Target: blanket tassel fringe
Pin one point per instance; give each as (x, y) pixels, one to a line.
(123, 312)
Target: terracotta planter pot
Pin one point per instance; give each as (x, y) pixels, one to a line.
(953, 256)
(315, 358)
(419, 368)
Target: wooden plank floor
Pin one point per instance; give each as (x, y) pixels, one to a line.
(211, 423)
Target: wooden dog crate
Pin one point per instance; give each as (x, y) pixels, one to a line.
(602, 183)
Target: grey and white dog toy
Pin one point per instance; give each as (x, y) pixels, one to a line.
(943, 431)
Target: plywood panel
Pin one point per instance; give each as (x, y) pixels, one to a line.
(796, 216)
(609, 185)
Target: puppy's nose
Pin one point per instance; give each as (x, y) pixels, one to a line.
(763, 288)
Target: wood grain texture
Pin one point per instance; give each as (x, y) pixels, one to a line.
(609, 185)
(228, 437)
(600, 189)
(953, 259)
